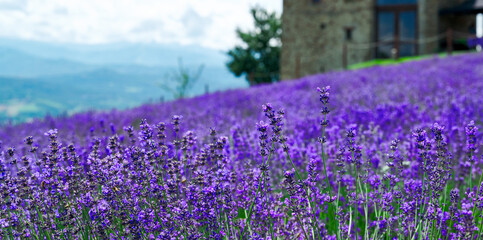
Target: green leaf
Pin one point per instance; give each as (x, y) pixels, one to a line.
(242, 213)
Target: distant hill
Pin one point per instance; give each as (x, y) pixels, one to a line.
(15, 63)
(26, 98)
(44, 78)
(147, 54)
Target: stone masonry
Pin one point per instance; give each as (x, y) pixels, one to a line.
(314, 32)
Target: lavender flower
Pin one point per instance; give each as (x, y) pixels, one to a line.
(382, 169)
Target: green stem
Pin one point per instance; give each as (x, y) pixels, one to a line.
(328, 188)
(477, 193)
(268, 209)
(256, 193)
(323, 159)
(418, 220)
(377, 217)
(350, 222)
(479, 231)
(357, 207)
(302, 226)
(306, 192)
(366, 212)
(336, 209)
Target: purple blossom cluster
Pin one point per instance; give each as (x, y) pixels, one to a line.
(383, 153)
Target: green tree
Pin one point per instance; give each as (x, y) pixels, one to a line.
(183, 80)
(258, 58)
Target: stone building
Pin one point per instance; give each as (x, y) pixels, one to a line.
(315, 32)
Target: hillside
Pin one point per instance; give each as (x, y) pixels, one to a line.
(376, 153)
(116, 87)
(40, 79)
(423, 89)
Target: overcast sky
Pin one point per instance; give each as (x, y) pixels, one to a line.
(210, 23)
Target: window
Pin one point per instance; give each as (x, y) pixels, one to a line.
(396, 2)
(348, 33)
(396, 30)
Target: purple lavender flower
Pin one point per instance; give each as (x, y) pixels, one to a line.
(382, 168)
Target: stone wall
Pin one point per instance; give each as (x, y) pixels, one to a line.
(428, 26)
(314, 34)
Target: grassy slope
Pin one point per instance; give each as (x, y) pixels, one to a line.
(383, 62)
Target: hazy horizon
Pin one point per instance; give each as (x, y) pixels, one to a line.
(39, 78)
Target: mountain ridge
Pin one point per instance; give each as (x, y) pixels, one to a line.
(148, 54)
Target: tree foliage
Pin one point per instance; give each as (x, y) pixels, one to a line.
(258, 58)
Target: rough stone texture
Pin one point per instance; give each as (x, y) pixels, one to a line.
(428, 26)
(314, 32)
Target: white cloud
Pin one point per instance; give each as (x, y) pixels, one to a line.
(12, 5)
(148, 26)
(194, 24)
(210, 23)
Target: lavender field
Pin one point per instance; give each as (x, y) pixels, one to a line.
(383, 153)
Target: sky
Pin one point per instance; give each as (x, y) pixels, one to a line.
(209, 23)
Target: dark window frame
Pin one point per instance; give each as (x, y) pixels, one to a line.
(397, 9)
(349, 33)
(393, 4)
